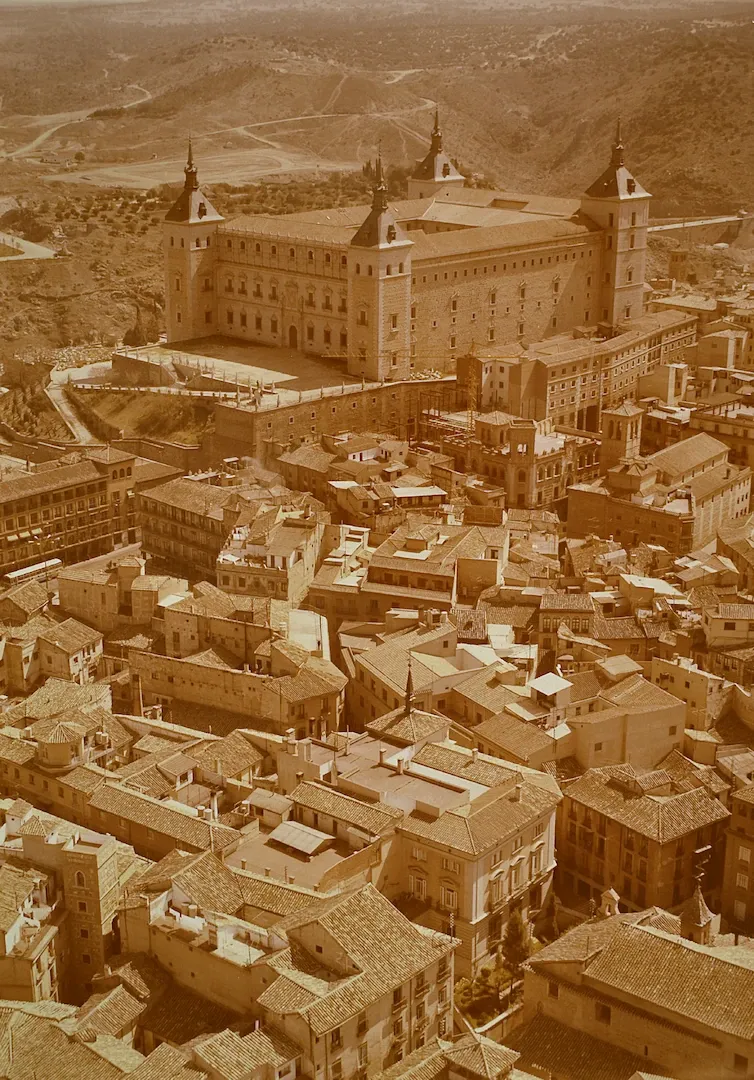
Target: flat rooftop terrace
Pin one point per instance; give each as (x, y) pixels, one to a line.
(261, 854)
(288, 369)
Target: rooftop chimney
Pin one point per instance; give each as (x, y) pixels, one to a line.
(383, 755)
(243, 864)
(516, 792)
(401, 766)
(267, 871)
(474, 754)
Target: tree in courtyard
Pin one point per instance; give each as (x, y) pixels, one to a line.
(516, 944)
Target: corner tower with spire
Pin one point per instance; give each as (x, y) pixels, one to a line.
(434, 172)
(379, 293)
(189, 236)
(618, 203)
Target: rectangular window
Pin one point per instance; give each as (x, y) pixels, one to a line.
(602, 1013)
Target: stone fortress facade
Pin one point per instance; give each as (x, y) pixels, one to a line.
(413, 284)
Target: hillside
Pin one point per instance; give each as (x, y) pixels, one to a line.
(96, 104)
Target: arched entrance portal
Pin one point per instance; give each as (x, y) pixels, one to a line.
(293, 337)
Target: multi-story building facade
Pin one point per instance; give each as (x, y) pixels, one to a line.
(63, 884)
(469, 868)
(187, 523)
(412, 284)
(640, 833)
(645, 994)
(677, 497)
(738, 876)
(570, 380)
(73, 509)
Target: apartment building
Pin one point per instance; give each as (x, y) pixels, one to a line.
(570, 379)
(293, 689)
(640, 994)
(61, 886)
(728, 625)
(468, 867)
(71, 509)
(121, 594)
(187, 521)
(43, 648)
(272, 553)
(384, 986)
(738, 883)
(677, 497)
(440, 667)
(642, 831)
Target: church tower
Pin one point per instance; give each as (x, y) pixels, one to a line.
(620, 206)
(436, 171)
(379, 293)
(189, 237)
(621, 435)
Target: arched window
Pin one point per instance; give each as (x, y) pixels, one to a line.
(310, 255)
(400, 268)
(122, 473)
(292, 253)
(258, 248)
(274, 249)
(328, 258)
(80, 879)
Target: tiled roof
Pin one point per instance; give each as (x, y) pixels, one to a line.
(375, 818)
(617, 629)
(235, 754)
(168, 1063)
(513, 736)
(736, 611)
(450, 759)
(16, 750)
(636, 692)
(407, 729)
(484, 825)
(35, 1046)
(378, 944)
(179, 1015)
(142, 810)
(567, 602)
(570, 1053)
(480, 1056)
(266, 894)
(71, 636)
(682, 458)
(109, 1013)
(616, 792)
(204, 878)
(236, 1058)
(674, 976)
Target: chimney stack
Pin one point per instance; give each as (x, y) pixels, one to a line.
(383, 755)
(243, 864)
(474, 755)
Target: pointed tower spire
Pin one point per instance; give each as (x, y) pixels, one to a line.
(618, 158)
(409, 688)
(192, 182)
(379, 191)
(436, 145)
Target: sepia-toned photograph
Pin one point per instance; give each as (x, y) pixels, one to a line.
(376, 540)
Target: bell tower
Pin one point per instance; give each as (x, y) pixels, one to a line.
(618, 203)
(189, 238)
(436, 171)
(379, 293)
(621, 435)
